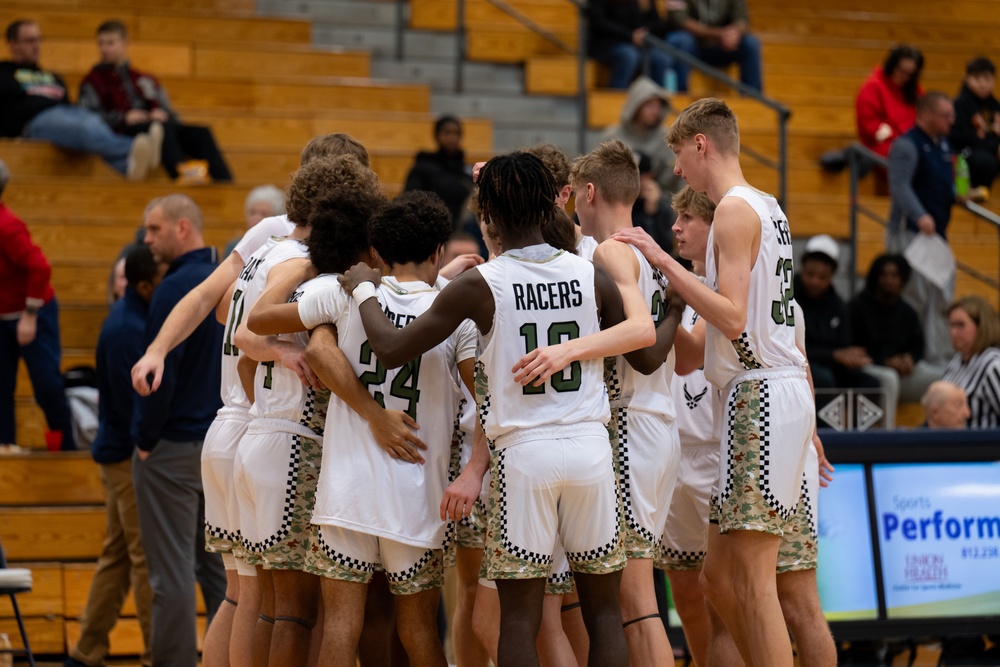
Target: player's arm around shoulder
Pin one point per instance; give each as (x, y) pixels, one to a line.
(736, 243)
(466, 297)
(272, 314)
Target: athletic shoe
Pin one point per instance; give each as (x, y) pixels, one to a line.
(138, 158)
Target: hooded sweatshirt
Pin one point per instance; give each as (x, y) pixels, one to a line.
(651, 142)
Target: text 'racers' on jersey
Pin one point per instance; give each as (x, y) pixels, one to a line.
(547, 296)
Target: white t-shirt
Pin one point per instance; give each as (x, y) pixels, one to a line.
(256, 236)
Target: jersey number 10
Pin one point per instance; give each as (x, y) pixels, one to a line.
(558, 331)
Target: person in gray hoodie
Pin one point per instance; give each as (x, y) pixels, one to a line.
(640, 127)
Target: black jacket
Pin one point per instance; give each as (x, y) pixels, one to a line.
(886, 330)
(25, 92)
(443, 174)
(963, 132)
(611, 22)
(828, 325)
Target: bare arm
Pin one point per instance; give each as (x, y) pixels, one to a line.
(222, 308)
(460, 496)
(247, 368)
(393, 429)
(272, 314)
(737, 239)
(825, 467)
(466, 297)
(690, 348)
(648, 359)
(182, 321)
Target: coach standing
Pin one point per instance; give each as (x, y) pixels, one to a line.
(169, 427)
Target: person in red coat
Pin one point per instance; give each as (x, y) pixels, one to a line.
(29, 329)
(886, 105)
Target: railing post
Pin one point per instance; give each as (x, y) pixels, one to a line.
(783, 159)
(581, 81)
(853, 158)
(400, 17)
(459, 44)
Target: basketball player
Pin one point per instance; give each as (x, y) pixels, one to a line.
(552, 475)
(750, 354)
(606, 185)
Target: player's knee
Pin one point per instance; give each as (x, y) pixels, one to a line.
(715, 587)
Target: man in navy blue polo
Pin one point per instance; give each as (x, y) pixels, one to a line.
(169, 428)
(922, 187)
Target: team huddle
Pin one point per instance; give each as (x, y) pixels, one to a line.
(555, 422)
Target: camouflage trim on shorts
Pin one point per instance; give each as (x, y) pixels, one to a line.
(323, 561)
(744, 505)
(502, 561)
(799, 547)
(426, 574)
(678, 561)
(286, 550)
(218, 541)
(560, 584)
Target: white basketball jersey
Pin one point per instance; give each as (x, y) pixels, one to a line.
(361, 487)
(628, 387)
(585, 248)
(769, 338)
(278, 392)
(249, 286)
(543, 296)
(696, 400)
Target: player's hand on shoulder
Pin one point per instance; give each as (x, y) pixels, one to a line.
(638, 237)
(394, 433)
(460, 265)
(357, 274)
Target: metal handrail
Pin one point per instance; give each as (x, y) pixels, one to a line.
(857, 156)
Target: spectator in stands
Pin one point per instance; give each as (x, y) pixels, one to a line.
(617, 30)
(886, 105)
(133, 102)
(975, 334)
(891, 334)
(264, 201)
(716, 32)
(945, 406)
(652, 210)
(835, 362)
(921, 184)
(122, 564)
(640, 127)
(977, 126)
(443, 171)
(29, 330)
(35, 103)
(169, 428)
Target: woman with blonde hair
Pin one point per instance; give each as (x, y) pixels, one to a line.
(975, 335)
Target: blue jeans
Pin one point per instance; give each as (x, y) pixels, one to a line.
(625, 62)
(747, 54)
(42, 357)
(79, 129)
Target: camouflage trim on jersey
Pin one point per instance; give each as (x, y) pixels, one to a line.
(746, 502)
(424, 575)
(324, 561)
(745, 354)
(504, 560)
(314, 411)
(286, 550)
(799, 547)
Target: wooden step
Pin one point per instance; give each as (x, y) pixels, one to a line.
(52, 533)
(126, 637)
(442, 14)
(77, 579)
(218, 6)
(46, 596)
(46, 634)
(37, 479)
(319, 93)
(502, 44)
(146, 24)
(238, 60)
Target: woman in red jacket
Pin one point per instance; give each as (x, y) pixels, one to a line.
(886, 105)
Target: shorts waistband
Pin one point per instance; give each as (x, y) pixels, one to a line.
(779, 373)
(282, 426)
(233, 412)
(550, 432)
